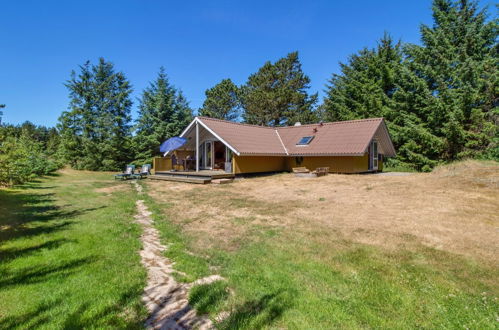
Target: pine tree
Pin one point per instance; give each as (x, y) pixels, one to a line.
(222, 101)
(376, 83)
(366, 84)
(112, 106)
(277, 94)
(458, 61)
(440, 98)
(1, 112)
(163, 113)
(95, 131)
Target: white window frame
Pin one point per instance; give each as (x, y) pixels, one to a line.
(374, 154)
(205, 154)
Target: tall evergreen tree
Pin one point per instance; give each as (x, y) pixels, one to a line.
(222, 101)
(1, 112)
(440, 99)
(366, 84)
(375, 83)
(277, 94)
(95, 131)
(163, 113)
(458, 61)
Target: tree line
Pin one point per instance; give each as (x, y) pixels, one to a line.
(439, 99)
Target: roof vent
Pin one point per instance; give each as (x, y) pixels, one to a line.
(297, 123)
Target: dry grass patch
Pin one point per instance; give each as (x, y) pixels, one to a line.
(341, 251)
(452, 209)
(113, 188)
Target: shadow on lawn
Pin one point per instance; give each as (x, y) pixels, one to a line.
(8, 254)
(24, 214)
(36, 274)
(85, 316)
(32, 319)
(258, 313)
(108, 316)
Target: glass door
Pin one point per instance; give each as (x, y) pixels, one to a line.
(374, 150)
(201, 156)
(208, 157)
(228, 160)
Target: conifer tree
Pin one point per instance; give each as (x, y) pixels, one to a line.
(95, 131)
(163, 113)
(1, 112)
(440, 98)
(277, 94)
(458, 61)
(222, 101)
(375, 83)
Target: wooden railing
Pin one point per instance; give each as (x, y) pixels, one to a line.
(162, 164)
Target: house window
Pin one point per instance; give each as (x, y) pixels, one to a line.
(305, 140)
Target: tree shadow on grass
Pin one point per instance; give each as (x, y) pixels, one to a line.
(125, 312)
(257, 313)
(32, 319)
(122, 313)
(25, 214)
(207, 297)
(36, 274)
(9, 254)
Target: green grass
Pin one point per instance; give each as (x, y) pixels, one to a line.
(68, 255)
(68, 259)
(194, 266)
(316, 279)
(208, 298)
(399, 168)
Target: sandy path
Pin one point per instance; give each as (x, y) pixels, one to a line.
(165, 298)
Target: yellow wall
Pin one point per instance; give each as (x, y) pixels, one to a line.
(259, 164)
(340, 164)
(256, 164)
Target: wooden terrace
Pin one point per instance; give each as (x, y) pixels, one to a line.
(201, 177)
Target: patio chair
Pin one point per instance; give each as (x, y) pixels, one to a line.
(145, 170)
(176, 162)
(126, 174)
(321, 171)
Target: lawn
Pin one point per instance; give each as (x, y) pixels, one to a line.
(347, 251)
(68, 254)
(341, 251)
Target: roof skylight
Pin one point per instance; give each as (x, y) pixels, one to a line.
(305, 140)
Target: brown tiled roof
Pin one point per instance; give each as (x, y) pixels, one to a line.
(342, 138)
(337, 138)
(246, 139)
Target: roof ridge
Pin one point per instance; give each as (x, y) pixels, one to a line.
(282, 127)
(335, 122)
(234, 122)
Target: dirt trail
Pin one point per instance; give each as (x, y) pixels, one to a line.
(165, 298)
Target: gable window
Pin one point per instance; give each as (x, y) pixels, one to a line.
(305, 140)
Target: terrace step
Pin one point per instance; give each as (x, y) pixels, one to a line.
(198, 180)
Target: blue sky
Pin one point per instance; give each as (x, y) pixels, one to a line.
(199, 43)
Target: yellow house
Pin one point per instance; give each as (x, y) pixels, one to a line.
(354, 146)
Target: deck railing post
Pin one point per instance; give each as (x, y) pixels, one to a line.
(197, 146)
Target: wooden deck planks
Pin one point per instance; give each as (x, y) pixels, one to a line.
(199, 180)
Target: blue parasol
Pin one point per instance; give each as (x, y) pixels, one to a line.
(172, 144)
